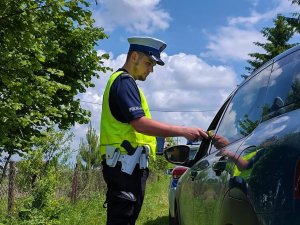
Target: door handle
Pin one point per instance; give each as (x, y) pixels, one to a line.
(193, 174)
(200, 166)
(219, 166)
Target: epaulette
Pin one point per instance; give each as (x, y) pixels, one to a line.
(126, 75)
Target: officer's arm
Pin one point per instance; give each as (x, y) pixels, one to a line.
(156, 128)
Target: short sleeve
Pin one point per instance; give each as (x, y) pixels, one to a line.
(124, 99)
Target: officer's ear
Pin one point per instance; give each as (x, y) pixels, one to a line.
(134, 57)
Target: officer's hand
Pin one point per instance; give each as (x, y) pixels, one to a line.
(194, 134)
(203, 134)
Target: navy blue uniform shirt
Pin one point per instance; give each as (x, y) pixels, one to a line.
(124, 99)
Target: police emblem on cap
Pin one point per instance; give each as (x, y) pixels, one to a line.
(148, 45)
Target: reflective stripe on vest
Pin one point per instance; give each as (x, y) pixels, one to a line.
(114, 132)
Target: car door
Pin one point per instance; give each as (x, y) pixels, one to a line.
(272, 153)
(212, 174)
(184, 196)
(185, 192)
(189, 186)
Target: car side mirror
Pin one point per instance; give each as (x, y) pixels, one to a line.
(178, 154)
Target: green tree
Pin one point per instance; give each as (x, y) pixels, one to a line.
(47, 58)
(39, 172)
(89, 149)
(247, 126)
(296, 2)
(277, 38)
(171, 141)
(295, 20)
(53, 148)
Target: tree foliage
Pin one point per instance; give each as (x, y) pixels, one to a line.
(89, 150)
(247, 125)
(277, 42)
(170, 141)
(294, 21)
(38, 173)
(278, 39)
(47, 58)
(53, 148)
(296, 2)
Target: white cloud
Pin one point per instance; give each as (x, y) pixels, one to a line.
(185, 83)
(250, 20)
(90, 96)
(144, 16)
(234, 41)
(283, 7)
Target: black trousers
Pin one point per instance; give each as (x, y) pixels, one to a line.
(125, 194)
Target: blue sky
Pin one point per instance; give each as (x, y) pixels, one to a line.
(208, 43)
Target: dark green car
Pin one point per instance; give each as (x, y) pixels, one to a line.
(248, 172)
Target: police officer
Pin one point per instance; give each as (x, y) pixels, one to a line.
(126, 127)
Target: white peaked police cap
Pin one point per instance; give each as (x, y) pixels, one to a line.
(149, 46)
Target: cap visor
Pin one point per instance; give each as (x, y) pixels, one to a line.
(157, 60)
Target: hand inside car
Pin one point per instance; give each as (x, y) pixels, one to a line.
(219, 141)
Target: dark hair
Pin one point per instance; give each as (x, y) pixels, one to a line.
(141, 54)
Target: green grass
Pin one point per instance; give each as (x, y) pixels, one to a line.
(86, 212)
(90, 211)
(154, 211)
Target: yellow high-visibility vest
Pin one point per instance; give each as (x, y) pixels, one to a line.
(114, 132)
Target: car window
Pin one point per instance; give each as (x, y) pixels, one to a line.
(193, 152)
(205, 143)
(283, 93)
(244, 112)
